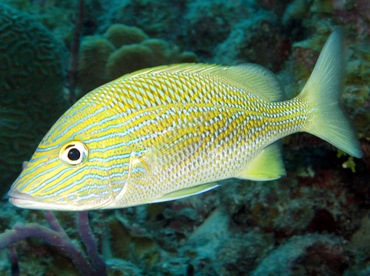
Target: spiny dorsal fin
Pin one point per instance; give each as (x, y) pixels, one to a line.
(249, 77)
(268, 165)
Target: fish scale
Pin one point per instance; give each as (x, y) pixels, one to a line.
(173, 131)
(205, 119)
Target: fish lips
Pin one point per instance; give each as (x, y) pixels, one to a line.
(23, 200)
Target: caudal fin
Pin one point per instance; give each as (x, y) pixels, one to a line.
(322, 92)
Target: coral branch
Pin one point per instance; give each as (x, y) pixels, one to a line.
(53, 222)
(90, 243)
(57, 237)
(59, 240)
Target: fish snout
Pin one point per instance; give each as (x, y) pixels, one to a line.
(22, 200)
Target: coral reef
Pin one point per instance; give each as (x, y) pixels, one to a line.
(360, 240)
(314, 221)
(151, 16)
(31, 88)
(251, 41)
(310, 254)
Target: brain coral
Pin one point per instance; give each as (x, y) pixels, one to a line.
(129, 58)
(31, 89)
(120, 34)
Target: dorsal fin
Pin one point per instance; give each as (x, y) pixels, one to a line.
(257, 80)
(249, 77)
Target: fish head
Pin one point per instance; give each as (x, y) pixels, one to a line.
(69, 169)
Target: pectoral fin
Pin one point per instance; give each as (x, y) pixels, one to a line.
(187, 192)
(139, 174)
(268, 165)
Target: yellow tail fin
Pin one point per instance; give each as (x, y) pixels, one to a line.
(322, 91)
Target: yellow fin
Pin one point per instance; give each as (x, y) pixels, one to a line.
(255, 79)
(322, 92)
(250, 77)
(268, 165)
(187, 192)
(140, 171)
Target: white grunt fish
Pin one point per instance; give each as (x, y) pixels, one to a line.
(173, 131)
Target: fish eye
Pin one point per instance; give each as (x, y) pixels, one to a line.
(73, 153)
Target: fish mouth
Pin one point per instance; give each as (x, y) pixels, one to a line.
(27, 201)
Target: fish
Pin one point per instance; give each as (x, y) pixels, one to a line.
(173, 131)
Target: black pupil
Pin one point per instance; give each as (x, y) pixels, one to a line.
(74, 154)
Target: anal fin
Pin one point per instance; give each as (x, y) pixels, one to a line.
(267, 165)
